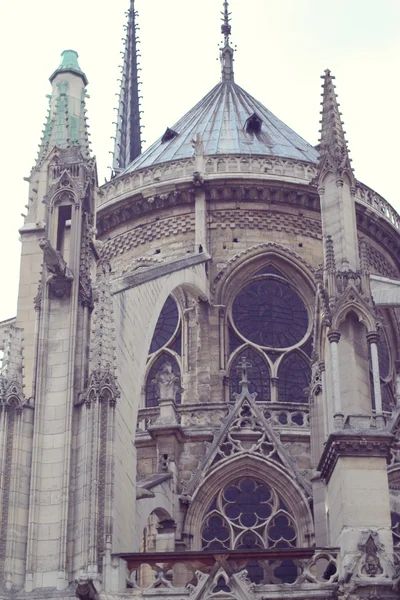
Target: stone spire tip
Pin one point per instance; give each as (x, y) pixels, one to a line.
(226, 51)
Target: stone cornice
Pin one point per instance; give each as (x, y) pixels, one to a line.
(365, 443)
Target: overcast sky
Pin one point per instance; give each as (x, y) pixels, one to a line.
(282, 49)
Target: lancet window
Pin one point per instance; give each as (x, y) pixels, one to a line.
(269, 326)
(164, 362)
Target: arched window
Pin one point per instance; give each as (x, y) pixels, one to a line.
(164, 361)
(268, 321)
(294, 376)
(259, 380)
(166, 327)
(248, 514)
(269, 313)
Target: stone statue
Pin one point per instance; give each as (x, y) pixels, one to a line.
(168, 382)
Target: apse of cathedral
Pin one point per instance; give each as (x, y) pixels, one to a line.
(199, 395)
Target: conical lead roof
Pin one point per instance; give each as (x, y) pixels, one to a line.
(230, 121)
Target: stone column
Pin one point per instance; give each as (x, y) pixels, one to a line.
(373, 338)
(334, 337)
(321, 366)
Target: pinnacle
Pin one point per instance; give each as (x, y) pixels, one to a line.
(332, 135)
(69, 63)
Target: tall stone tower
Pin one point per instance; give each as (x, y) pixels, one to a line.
(199, 395)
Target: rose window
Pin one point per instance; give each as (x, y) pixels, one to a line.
(269, 313)
(248, 515)
(269, 328)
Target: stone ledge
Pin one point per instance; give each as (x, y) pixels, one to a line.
(365, 443)
(135, 279)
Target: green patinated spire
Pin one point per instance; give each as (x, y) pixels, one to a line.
(66, 122)
(69, 63)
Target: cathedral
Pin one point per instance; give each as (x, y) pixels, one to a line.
(200, 391)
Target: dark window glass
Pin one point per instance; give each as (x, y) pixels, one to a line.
(269, 313)
(152, 390)
(294, 375)
(176, 345)
(166, 325)
(234, 341)
(258, 375)
(248, 514)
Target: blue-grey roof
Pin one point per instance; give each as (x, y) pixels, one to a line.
(220, 119)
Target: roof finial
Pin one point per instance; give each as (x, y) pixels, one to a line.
(226, 50)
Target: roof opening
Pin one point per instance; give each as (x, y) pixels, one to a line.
(168, 135)
(253, 124)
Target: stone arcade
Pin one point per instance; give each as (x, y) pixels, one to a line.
(200, 393)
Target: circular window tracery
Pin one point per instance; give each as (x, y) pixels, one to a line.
(269, 328)
(269, 313)
(247, 513)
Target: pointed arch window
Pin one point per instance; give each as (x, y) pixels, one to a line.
(269, 326)
(166, 327)
(260, 374)
(249, 514)
(294, 376)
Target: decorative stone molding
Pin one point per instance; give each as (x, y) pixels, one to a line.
(349, 443)
(252, 252)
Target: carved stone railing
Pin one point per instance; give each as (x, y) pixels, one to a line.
(245, 573)
(290, 416)
(262, 166)
(366, 196)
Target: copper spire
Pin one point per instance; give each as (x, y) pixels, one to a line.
(127, 136)
(226, 52)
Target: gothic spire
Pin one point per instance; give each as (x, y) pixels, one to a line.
(128, 144)
(334, 154)
(66, 121)
(226, 51)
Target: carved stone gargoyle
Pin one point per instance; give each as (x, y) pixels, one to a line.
(60, 276)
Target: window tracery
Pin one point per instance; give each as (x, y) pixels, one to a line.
(248, 514)
(269, 313)
(166, 325)
(294, 375)
(269, 326)
(165, 349)
(260, 375)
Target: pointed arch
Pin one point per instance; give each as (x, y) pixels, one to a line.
(263, 470)
(259, 373)
(294, 375)
(162, 357)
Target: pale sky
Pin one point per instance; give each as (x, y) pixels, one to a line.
(283, 47)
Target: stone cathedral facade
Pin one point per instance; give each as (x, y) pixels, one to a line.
(199, 395)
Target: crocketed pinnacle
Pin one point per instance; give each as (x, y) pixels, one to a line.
(102, 347)
(334, 155)
(226, 52)
(66, 122)
(128, 143)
